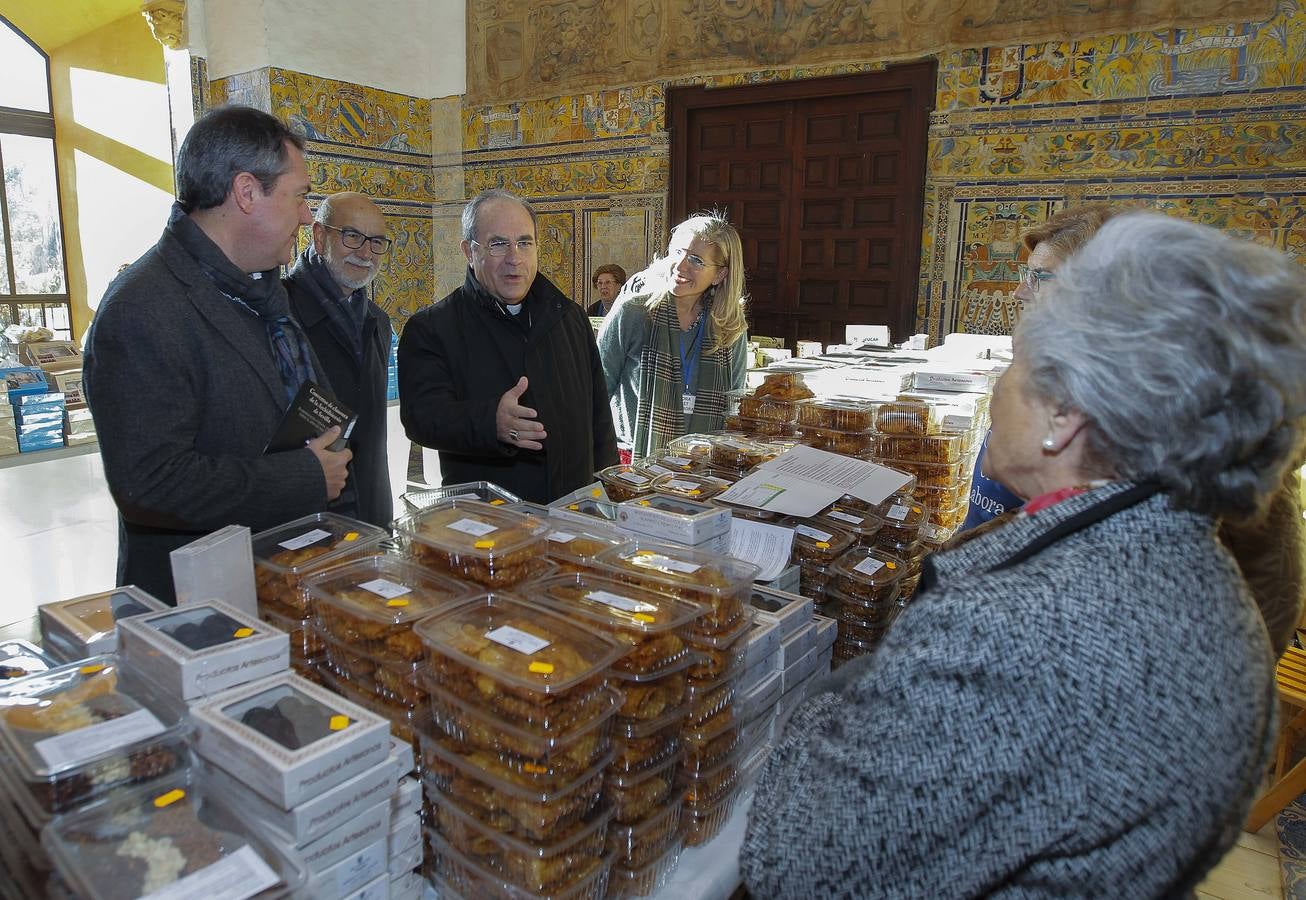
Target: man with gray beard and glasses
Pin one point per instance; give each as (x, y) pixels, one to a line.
(328, 288)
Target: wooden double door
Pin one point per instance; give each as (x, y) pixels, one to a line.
(824, 179)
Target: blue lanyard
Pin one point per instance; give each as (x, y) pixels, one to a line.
(689, 362)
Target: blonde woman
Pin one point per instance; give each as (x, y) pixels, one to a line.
(674, 343)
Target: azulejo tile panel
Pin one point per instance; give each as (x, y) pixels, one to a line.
(324, 109)
(245, 89)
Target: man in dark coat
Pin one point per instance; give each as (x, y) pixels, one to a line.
(193, 358)
(502, 376)
(351, 337)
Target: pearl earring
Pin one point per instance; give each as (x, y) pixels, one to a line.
(1049, 443)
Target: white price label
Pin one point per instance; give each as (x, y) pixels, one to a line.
(463, 497)
(679, 484)
(73, 747)
(677, 460)
(869, 566)
(658, 561)
(616, 601)
(387, 589)
(897, 513)
(815, 534)
(658, 470)
(846, 517)
(632, 477)
(516, 639)
(473, 527)
(236, 877)
(562, 537)
(305, 540)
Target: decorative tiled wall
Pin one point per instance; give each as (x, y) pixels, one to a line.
(361, 139)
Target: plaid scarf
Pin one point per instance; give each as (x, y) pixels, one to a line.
(345, 312)
(260, 293)
(660, 417)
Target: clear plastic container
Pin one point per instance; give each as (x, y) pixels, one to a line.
(862, 524)
(642, 842)
(649, 697)
(901, 521)
(637, 795)
(910, 552)
(18, 659)
(539, 868)
(699, 824)
(284, 556)
(909, 586)
(764, 429)
(708, 698)
(740, 454)
(625, 482)
(710, 744)
(813, 580)
(403, 719)
(907, 417)
(769, 408)
(933, 537)
(485, 491)
(705, 787)
(935, 475)
(533, 667)
(562, 756)
(72, 735)
(784, 386)
(851, 648)
(475, 541)
(722, 653)
(867, 635)
(99, 851)
(818, 543)
(458, 877)
(747, 512)
(392, 681)
(647, 879)
(943, 497)
(849, 443)
(87, 626)
(672, 462)
(602, 510)
(840, 415)
(305, 644)
(511, 803)
(951, 518)
(937, 448)
(371, 605)
(865, 614)
(688, 486)
(868, 574)
(574, 548)
(692, 446)
(652, 626)
(639, 744)
(719, 584)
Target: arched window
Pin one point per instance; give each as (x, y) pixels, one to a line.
(33, 286)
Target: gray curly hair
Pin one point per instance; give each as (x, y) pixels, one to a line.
(1186, 350)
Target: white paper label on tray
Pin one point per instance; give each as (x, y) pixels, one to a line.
(897, 513)
(677, 460)
(616, 601)
(387, 589)
(665, 562)
(562, 537)
(305, 540)
(869, 566)
(473, 527)
(677, 484)
(632, 477)
(815, 534)
(72, 747)
(236, 877)
(659, 470)
(463, 497)
(516, 639)
(846, 517)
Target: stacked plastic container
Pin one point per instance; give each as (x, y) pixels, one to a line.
(513, 763)
(863, 596)
(85, 626)
(486, 492)
(479, 543)
(839, 426)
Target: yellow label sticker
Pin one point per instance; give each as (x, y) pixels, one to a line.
(597, 492)
(339, 722)
(541, 668)
(645, 553)
(823, 545)
(573, 506)
(352, 536)
(242, 632)
(915, 509)
(535, 769)
(397, 602)
(496, 502)
(643, 503)
(92, 669)
(890, 565)
(169, 798)
(484, 544)
(693, 492)
(644, 617)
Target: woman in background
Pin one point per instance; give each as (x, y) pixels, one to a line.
(674, 344)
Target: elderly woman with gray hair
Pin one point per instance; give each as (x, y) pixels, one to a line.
(1078, 703)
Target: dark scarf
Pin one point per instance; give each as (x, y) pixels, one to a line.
(263, 297)
(345, 313)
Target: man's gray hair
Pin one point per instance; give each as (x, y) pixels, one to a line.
(1186, 350)
(472, 210)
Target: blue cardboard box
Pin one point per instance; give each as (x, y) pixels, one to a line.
(23, 381)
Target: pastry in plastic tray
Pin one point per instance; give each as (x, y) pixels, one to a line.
(18, 659)
(695, 446)
(638, 744)
(284, 555)
(937, 475)
(949, 519)
(486, 492)
(650, 697)
(784, 386)
(862, 613)
(818, 544)
(936, 448)
(840, 415)
(747, 512)
(711, 743)
(943, 497)
(146, 842)
(459, 877)
(625, 482)
(933, 537)
(698, 825)
(574, 549)
(901, 521)
(565, 755)
(602, 510)
(395, 683)
(371, 605)
(910, 552)
(647, 879)
(508, 801)
(71, 734)
(707, 698)
(672, 462)
(635, 796)
(851, 648)
(758, 428)
(402, 718)
(862, 524)
(475, 541)
(739, 454)
(533, 667)
(907, 417)
(84, 626)
(909, 586)
(688, 486)
(644, 841)
(869, 575)
(849, 443)
(704, 787)
(722, 653)
(769, 409)
(537, 868)
(718, 584)
(305, 643)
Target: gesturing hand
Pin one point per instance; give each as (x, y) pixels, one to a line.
(516, 424)
(334, 463)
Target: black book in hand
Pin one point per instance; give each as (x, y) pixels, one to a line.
(311, 413)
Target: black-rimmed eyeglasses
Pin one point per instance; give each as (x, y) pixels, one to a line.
(354, 240)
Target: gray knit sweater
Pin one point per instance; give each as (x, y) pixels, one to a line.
(1090, 722)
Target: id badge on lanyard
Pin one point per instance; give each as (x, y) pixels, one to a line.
(689, 367)
(687, 403)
